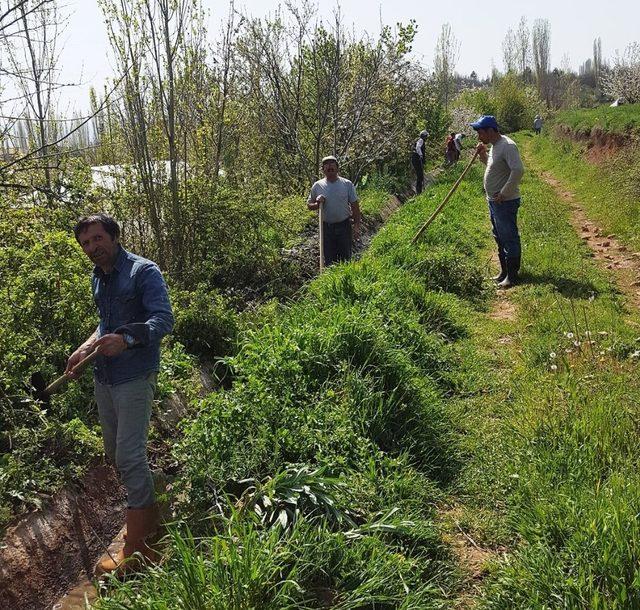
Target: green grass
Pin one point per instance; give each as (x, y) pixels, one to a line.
(372, 202)
(608, 192)
(352, 379)
(620, 120)
(390, 377)
(550, 433)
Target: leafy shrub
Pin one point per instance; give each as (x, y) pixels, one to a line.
(47, 311)
(513, 103)
(40, 457)
(205, 322)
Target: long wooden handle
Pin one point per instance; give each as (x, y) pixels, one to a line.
(54, 385)
(321, 234)
(444, 202)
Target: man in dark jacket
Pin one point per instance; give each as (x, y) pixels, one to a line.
(418, 159)
(135, 313)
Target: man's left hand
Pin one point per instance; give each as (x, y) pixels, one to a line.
(111, 344)
(498, 197)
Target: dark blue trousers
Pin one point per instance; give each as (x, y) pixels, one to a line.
(337, 241)
(418, 167)
(505, 227)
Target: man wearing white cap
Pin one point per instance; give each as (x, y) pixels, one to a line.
(418, 160)
(341, 208)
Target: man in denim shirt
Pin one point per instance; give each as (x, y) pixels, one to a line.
(135, 313)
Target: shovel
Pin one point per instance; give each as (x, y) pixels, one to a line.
(42, 392)
(321, 234)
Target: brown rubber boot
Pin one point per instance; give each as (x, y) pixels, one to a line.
(142, 524)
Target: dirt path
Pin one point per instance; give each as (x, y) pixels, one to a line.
(473, 559)
(622, 265)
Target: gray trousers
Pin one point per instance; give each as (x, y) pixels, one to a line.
(125, 411)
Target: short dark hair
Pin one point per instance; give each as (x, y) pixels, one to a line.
(109, 224)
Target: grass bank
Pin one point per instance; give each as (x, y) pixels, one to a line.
(619, 120)
(389, 391)
(549, 437)
(47, 310)
(608, 191)
(314, 481)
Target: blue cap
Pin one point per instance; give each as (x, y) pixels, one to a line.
(484, 122)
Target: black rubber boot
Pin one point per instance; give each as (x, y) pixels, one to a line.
(503, 270)
(513, 267)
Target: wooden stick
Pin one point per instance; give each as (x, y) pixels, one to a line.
(54, 385)
(444, 202)
(321, 234)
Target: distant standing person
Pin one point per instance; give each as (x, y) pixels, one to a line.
(418, 159)
(340, 204)
(502, 178)
(537, 124)
(450, 150)
(135, 313)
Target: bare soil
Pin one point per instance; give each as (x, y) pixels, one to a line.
(601, 145)
(49, 550)
(473, 558)
(621, 264)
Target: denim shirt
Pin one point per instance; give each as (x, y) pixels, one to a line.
(132, 299)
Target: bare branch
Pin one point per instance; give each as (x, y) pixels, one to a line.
(19, 6)
(105, 102)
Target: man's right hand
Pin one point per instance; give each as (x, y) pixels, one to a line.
(481, 151)
(314, 205)
(80, 354)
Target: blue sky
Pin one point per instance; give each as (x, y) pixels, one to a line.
(480, 29)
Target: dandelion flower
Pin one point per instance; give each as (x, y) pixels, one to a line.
(552, 355)
(554, 367)
(569, 335)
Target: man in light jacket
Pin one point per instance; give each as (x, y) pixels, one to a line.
(502, 178)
